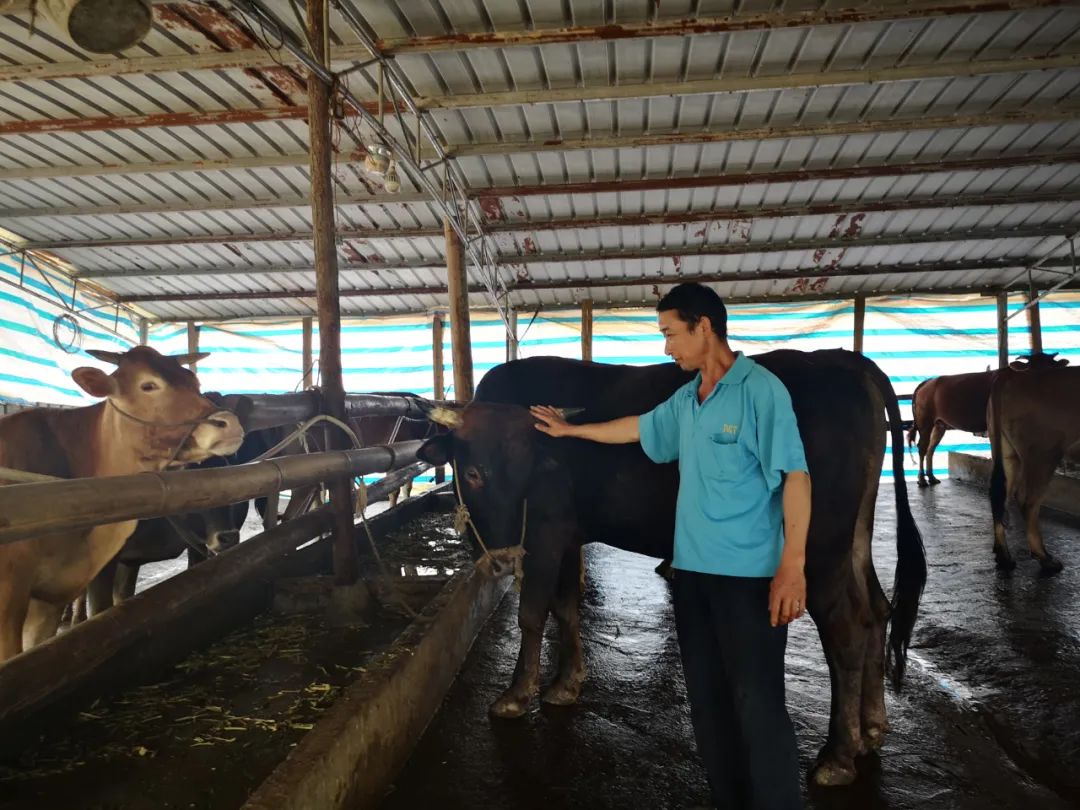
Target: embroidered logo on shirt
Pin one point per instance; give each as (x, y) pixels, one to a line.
(731, 428)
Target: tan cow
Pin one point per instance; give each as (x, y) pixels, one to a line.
(1034, 420)
(153, 416)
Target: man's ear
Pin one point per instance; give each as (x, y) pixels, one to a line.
(94, 381)
(437, 450)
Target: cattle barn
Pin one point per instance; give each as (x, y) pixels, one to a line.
(268, 264)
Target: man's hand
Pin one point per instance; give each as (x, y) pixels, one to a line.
(787, 594)
(551, 421)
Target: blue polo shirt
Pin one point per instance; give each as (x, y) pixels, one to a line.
(732, 450)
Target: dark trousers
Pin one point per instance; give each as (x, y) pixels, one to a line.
(733, 661)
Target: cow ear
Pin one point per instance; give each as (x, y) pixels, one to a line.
(437, 450)
(94, 381)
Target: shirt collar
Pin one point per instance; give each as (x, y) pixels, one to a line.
(735, 375)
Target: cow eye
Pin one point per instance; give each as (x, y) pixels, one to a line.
(149, 386)
(472, 475)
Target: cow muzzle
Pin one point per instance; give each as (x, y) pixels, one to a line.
(219, 434)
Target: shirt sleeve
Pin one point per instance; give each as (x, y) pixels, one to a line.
(659, 430)
(780, 447)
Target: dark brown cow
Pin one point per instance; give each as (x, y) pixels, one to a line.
(949, 402)
(1034, 419)
(553, 495)
(153, 416)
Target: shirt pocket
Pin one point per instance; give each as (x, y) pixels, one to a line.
(728, 460)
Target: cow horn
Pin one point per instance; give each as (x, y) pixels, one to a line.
(446, 417)
(104, 356)
(188, 359)
(568, 413)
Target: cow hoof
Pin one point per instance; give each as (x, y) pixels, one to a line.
(1005, 562)
(872, 739)
(833, 774)
(922, 483)
(934, 482)
(509, 707)
(664, 569)
(1050, 566)
(562, 694)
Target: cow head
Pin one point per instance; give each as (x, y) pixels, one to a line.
(1037, 361)
(158, 401)
(510, 477)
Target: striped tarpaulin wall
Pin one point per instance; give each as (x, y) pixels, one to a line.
(1059, 315)
(38, 353)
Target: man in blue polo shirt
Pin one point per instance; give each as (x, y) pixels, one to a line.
(740, 545)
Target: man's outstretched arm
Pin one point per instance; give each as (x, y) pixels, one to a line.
(618, 431)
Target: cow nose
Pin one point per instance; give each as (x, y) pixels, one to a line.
(229, 538)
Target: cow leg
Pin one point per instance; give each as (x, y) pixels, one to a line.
(1035, 484)
(14, 603)
(394, 497)
(843, 622)
(99, 593)
(124, 583)
(537, 592)
(78, 609)
(1013, 472)
(566, 689)
(935, 439)
(42, 622)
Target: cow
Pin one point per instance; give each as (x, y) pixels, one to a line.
(376, 430)
(152, 417)
(948, 402)
(527, 494)
(956, 402)
(1034, 420)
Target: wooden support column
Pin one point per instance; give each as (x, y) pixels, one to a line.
(460, 341)
(438, 369)
(1003, 329)
(308, 366)
(144, 332)
(1034, 323)
(192, 343)
(586, 329)
(346, 562)
(511, 337)
(860, 321)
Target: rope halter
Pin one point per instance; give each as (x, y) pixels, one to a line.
(501, 561)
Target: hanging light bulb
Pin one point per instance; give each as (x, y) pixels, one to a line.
(391, 182)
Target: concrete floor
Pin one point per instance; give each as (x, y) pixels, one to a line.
(990, 717)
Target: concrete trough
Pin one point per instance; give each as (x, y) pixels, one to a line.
(1062, 497)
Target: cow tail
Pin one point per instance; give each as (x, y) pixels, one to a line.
(998, 484)
(910, 554)
(914, 419)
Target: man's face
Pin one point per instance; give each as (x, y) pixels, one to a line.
(684, 345)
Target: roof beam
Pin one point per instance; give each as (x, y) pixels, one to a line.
(530, 258)
(234, 238)
(779, 211)
(997, 162)
(114, 271)
(1039, 115)
(183, 206)
(566, 284)
(738, 84)
(257, 58)
(795, 245)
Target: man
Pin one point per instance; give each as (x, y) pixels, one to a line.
(740, 545)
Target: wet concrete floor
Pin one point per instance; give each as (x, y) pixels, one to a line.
(990, 716)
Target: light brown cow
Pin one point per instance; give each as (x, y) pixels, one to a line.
(956, 402)
(1034, 420)
(153, 417)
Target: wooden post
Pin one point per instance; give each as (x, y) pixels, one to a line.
(192, 342)
(860, 321)
(1034, 323)
(346, 562)
(460, 342)
(437, 366)
(306, 351)
(1003, 329)
(144, 332)
(586, 329)
(511, 337)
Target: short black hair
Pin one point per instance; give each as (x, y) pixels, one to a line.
(694, 302)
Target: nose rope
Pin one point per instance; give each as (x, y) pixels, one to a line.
(514, 554)
(191, 424)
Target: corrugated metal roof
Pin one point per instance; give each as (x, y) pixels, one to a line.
(145, 184)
